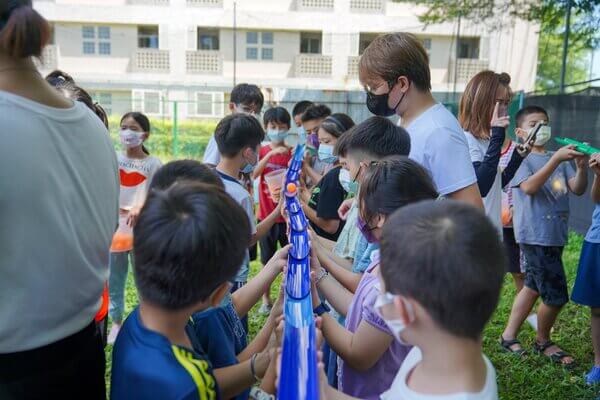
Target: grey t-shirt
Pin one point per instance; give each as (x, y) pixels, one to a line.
(59, 193)
(542, 219)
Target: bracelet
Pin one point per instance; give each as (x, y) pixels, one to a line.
(321, 275)
(259, 394)
(253, 366)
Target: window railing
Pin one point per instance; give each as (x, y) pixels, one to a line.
(369, 6)
(204, 62)
(151, 60)
(205, 3)
(353, 66)
(313, 65)
(314, 5)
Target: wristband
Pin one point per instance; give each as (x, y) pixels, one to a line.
(321, 275)
(253, 366)
(259, 394)
(321, 309)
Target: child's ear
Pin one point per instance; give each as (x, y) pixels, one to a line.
(217, 296)
(231, 107)
(380, 221)
(405, 310)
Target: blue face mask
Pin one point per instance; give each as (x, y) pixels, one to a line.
(249, 167)
(325, 154)
(275, 135)
(301, 136)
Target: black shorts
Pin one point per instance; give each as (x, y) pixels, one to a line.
(545, 273)
(513, 253)
(268, 243)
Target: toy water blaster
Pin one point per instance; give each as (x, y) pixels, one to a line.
(298, 378)
(579, 146)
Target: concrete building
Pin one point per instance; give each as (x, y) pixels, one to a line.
(147, 54)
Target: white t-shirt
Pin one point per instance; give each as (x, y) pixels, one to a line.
(400, 389)
(211, 154)
(135, 175)
(438, 143)
(59, 193)
(493, 201)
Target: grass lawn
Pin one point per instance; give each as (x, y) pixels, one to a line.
(531, 378)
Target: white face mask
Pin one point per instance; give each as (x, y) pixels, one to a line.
(345, 180)
(131, 139)
(543, 135)
(397, 326)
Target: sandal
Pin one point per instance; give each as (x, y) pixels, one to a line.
(556, 357)
(507, 344)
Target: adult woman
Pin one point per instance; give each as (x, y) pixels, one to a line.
(58, 207)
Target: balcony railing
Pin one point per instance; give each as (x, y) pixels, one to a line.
(149, 2)
(313, 65)
(368, 6)
(204, 62)
(205, 3)
(466, 69)
(314, 5)
(49, 58)
(353, 66)
(151, 60)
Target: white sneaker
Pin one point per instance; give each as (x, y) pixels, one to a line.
(265, 309)
(114, 331)
(532, 319)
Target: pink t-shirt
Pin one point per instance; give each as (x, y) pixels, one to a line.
(370, 384)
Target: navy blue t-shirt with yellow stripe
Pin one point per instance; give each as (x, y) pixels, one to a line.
(145, 365)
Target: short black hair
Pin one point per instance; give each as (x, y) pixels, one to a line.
(189, 239)
(447, 256)
(337, 124)
(247, 94)
(528, 110)
(388, 185)
(377, 137)
(236, 132)
(184, 170)
(301, 106)
(278, 115)
(316, 111)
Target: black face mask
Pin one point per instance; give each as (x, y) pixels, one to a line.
(378, 103)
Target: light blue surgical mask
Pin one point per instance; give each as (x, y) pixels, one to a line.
(276, 135)
(346, 181)
(301, 135)
(325, 154)
(249, 167)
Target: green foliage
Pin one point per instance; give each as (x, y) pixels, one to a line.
(192, 138)
(531, 378)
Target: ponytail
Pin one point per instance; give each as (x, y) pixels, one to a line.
(23, 31)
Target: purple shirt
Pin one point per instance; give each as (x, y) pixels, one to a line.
(370, 384)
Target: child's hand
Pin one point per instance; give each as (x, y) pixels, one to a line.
(498, 121)
(133, 216)
(582, 162)
(595, 163)
(279, 259)
(277, 310)
(345, 208)
(279, 151)
(566, 153)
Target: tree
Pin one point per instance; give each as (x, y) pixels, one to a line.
(550, 14)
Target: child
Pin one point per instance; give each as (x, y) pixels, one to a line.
(136, 168)
(299, 109)
(368, 354)
(238, 137)
(246, 99)
(189, 242)
(395, 70)
(542, 184)
(321, 205)
(587, 283)
(437, 260)
(274, 156)
(489, 94)
(313, 168)
(218, 329)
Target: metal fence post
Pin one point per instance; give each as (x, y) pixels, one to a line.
(175, 130)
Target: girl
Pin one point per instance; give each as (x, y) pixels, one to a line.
(274, 156)
(587, 282)
(322, 204)
(59, 197)
(368, 354)
(136, 169)
(486, 98)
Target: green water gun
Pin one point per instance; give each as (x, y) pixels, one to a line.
(580, 147)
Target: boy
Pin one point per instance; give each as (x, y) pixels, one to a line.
(246, 99)
(311, 120)
(299, 109)
(238, 138)
(542, 185)
(437, 260)
(189, 242)
(394, 69)
(219, 330)
(274, 156)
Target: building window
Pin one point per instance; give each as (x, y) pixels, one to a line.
(148, 37)
(208, 39)
(365, 40)
(209, 104)
(148, 101)
(468, 48)
(96, 40)
(310, 42)
(259, 44)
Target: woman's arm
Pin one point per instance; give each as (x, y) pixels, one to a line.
(487, 169)
(511, 169)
